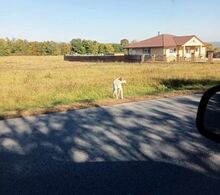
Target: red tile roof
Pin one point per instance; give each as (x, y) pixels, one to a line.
(164, 40)
(180, 40)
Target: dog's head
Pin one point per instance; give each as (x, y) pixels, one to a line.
(123, 81)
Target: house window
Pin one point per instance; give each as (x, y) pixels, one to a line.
(197, 49)
(173, 50)
(147, 51)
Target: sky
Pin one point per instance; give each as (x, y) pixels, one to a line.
(108, 20)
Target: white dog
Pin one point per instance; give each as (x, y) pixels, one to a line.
(117, 88)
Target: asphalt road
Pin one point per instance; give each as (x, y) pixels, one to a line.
(148, 147)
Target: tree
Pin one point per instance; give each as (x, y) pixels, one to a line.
(124, 43)
(117, 48)
(64, 48)
(88, 46)
(95, 47)
(109, 49)
(32, 48)
(101, 48)
(18, 47)
(77, 47)
(4, 49)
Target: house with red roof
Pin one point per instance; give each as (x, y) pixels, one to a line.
(170, 46)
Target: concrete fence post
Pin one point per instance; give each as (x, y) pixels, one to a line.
(153, 58)
(142, 58)
(178, 58)
(210, 57)
(164, 58)
(193, 57)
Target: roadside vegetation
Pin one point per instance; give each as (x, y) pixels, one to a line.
(20, 47)
(29, 83)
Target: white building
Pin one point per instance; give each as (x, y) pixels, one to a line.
(170, 46)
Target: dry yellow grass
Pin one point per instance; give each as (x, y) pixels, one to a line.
(44, 82)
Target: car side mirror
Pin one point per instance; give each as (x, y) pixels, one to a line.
(208, 115)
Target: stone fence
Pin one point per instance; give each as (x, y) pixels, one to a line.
(135, 58)
(105, 58)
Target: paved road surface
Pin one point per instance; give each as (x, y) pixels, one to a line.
(149, 147)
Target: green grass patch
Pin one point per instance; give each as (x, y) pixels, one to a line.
(47, 82)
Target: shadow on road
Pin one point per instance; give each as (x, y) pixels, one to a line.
(144, 148)
(177, 83)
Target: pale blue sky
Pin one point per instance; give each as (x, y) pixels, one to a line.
(108, 21)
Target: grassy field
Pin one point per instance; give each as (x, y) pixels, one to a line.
(45, 82)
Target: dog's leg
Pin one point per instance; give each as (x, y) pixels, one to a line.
(114, 93)
(117, 94)
(114, 90)
(121, 93)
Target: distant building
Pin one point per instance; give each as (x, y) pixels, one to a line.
(170, 46)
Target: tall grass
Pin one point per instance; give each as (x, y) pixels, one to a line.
(44, 82)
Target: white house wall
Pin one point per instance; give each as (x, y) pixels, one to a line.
(136, 51)
(157, 51)
(193, 42)
(154, 51)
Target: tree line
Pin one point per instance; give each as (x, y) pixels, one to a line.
(16, 47)
(79, 46)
